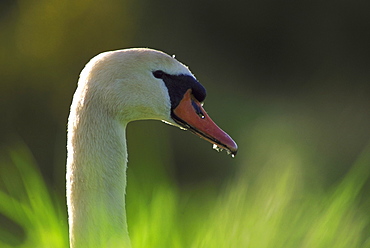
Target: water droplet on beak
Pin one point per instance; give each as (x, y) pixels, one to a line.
(216, 147)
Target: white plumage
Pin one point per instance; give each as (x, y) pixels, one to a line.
(114, 88)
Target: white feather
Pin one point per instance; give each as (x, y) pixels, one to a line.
(114, 88)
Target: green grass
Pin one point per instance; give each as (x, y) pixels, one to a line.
(27, 202)
(275, 207)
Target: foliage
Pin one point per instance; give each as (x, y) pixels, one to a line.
(300, 63)
(27, 201)
(276, 209)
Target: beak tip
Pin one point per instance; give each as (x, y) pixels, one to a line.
(231, 148)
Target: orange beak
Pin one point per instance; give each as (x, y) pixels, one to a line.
(190, 114)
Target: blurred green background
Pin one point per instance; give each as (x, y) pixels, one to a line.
(288, 80)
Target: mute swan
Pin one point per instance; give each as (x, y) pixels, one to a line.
(115, 88)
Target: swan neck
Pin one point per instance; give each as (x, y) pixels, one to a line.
(96, 180)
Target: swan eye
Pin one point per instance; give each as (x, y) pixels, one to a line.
(158, 74)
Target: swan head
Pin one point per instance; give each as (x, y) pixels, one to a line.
(139, 83)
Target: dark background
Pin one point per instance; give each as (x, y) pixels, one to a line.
(296, 72)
